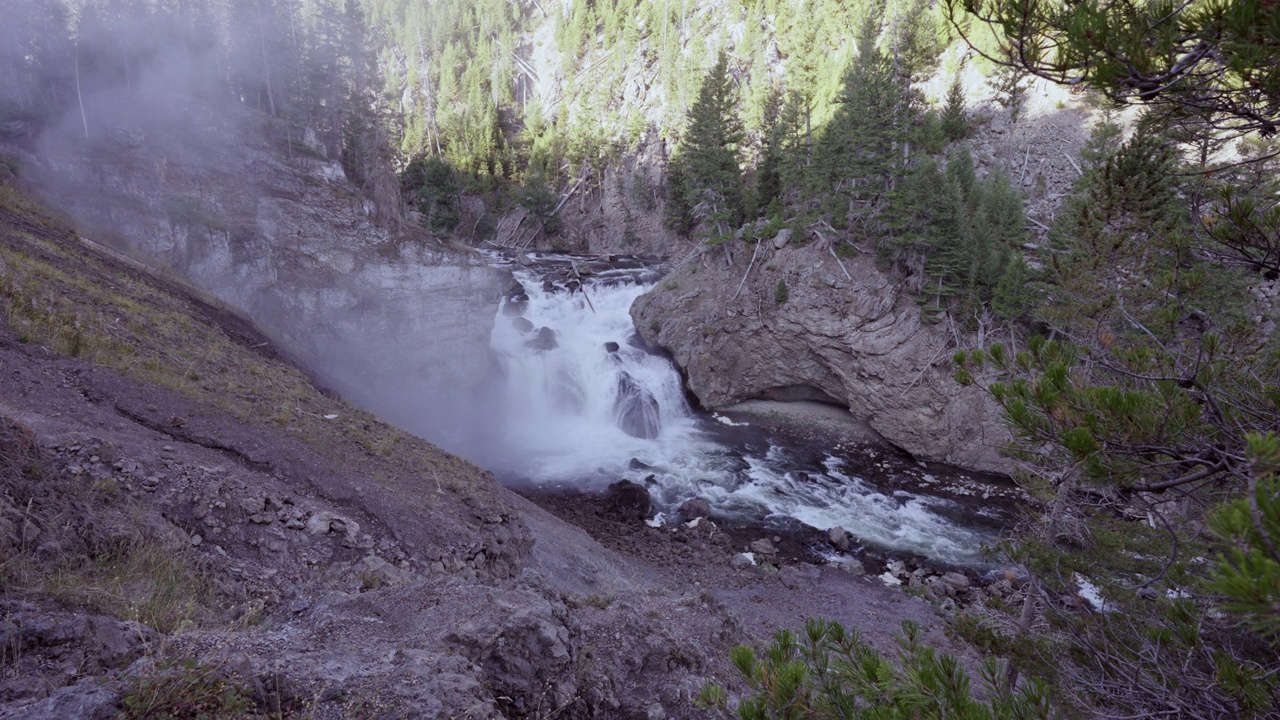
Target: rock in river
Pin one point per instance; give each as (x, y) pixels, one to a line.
(544, 340)
(636, 409)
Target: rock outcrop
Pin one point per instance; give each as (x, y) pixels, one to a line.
(846, 334)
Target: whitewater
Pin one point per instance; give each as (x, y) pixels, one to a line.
(586, 404)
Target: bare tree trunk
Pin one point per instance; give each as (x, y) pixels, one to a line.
(808, 133)
(266, 67)
(84, 119)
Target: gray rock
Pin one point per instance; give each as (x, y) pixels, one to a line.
(851, 566)
(863, 344)
(83, 701)
(375, 572)
(839, 538)
(795, 577)
(763, 547)
(521, 323)
(636, 409)
(782, 238)
(956, 580)
(544, 340)
(628, 500)
(741, 560)
(694, 508)
(323, 522)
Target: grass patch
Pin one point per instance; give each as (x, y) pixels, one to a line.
(141, 581)
(185, 689)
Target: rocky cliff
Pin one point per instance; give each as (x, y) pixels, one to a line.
(849, 333)
(846, 334)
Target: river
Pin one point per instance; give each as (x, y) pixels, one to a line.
(586, 404)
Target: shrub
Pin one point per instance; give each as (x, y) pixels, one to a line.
(829, 673)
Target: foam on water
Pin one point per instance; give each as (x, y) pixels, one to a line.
(561, 426)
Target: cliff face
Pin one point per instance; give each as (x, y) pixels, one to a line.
(853, 339)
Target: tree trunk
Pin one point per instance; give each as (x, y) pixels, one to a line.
(266, 67)
(84, 119)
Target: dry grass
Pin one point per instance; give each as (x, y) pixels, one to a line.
(58, 292)
(143, 582)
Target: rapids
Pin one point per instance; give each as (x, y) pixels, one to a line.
(585, 404)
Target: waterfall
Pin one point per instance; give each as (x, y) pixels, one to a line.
(585, 404)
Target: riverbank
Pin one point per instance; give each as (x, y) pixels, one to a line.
(182, 509)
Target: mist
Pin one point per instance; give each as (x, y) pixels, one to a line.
(223, 141)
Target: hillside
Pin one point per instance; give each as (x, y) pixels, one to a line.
(188, 520)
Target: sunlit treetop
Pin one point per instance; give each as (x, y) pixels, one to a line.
(1211, 64)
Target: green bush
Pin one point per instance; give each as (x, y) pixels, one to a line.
(184, 689)
(829, 673)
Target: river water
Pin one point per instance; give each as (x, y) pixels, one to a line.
(586, 404)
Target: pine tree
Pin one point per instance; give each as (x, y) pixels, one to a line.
(955, 122)
(769, 171)
(1120, 210)
(710, 150)
(1160, 403)
(678, 213)
(1012, 297)
(860, 151)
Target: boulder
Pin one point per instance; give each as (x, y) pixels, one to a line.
(839, 538)
(782, 239)
(323, 522)
(763, 547)
(636, 409)
(628, 500)
(959, 581)
(694, 508)
(544, 340)
(516, 299)
(638, 464)
(797, 576)
(521, 323)
(611, 347)
(86, 700)
(851, 566)
(742, 560)
(638, 342)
